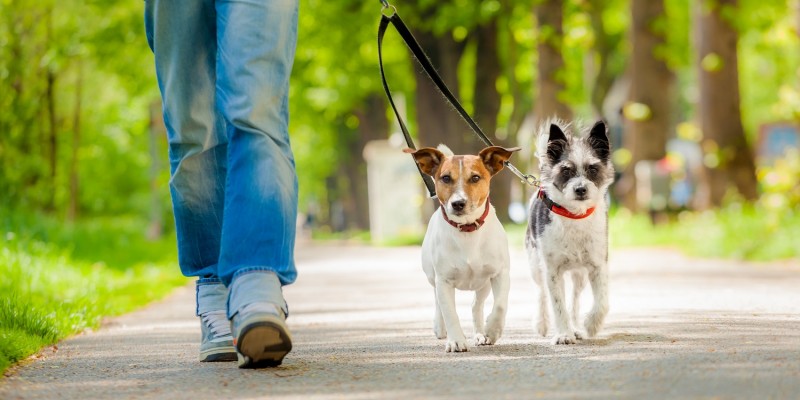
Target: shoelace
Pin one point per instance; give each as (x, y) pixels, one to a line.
(218, 322)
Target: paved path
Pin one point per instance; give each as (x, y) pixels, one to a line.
(361, 317)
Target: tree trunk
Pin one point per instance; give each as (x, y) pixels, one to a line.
(72, 211)
(487, 106)
(729, 158)
(648, 111)
(604, 47)
(550, 62)
(437, 122)
(373, 125)
(51, 116)
(521, 103)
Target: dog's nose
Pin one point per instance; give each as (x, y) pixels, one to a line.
(458, 205)
(580, 191)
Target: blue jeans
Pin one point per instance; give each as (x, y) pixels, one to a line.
(223, 70)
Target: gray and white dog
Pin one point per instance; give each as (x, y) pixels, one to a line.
(568, 226)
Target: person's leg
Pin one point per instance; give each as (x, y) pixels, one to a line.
(256, 41)
(182, 36)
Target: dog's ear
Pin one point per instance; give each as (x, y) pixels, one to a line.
(598, 139)
(494, 156)
(428, 159)
(556, 143)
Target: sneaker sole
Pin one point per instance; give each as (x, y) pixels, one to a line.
(263, 344)
(218, 354)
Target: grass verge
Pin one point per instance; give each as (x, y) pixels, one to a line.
(59, 279)
(737, 231)
(746, 232)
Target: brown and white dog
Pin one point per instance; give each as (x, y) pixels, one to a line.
(465, 247)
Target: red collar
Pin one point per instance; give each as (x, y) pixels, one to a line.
(552, 206)
(467, 227)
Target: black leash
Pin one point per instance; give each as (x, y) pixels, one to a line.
(394, 19)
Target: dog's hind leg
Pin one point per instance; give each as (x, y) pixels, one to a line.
(439, 328)
(477, 314)
(598, 278)
(578, 283)
(540, 321)
(497, 318)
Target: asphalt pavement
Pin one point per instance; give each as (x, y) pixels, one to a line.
(679, 328)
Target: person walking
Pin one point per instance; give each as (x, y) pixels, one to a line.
(223, 72)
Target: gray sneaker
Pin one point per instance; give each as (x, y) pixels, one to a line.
(217, 342)
(262, 338)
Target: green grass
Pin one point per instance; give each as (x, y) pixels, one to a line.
(746, 232)
(59, 279)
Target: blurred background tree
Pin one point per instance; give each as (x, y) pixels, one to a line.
(77, 87)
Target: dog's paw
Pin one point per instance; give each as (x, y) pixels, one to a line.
(579, 335)
(456, 346)
(592, 325)
(564, 339)
(541, 327)
(493, 332)
(482, 340)
(440, 332)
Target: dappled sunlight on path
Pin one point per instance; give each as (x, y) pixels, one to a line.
(361, 318)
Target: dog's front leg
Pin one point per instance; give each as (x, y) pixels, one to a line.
(446, 299)
(497, 319)
(578, 283)
(598, 278)
(477, 314)
(439, 328)
(543, 315)
(555, 284)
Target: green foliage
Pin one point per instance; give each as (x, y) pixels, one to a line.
(769, 63)
(577, 43)
(335, 69)
(91, 61)
(61, 279)
(675, 25)
(335, 73)
(780, 187)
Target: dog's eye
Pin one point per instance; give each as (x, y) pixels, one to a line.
(566, 171)
(475, 178)
(446, 179)
(592, 170)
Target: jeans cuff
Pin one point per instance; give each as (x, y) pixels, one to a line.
(255, 285)
(208, 281)
(210, 295)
